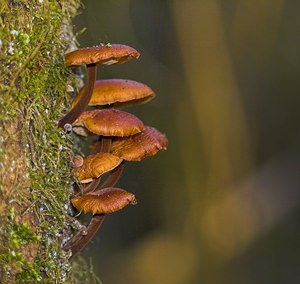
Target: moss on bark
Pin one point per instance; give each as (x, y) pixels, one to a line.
(35, 155)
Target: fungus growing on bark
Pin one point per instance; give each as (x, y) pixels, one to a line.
(117, 93)
(121, 136)
(96, 165)
(113, 122)
(107, 123)
(106, 200)
(77, 161)
(105, 54)
(103, 201)
(91, 56)
(78, 126)
(139, 146)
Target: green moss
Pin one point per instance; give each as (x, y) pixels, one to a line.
(20, 235)
(33, 78)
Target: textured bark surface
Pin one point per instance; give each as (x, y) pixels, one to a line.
(35, 172)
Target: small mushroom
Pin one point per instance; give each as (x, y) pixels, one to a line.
(117, 93)
(107, 122)
(77, 161)
(107, 54)
(91, 56)
(139, 146)
(78, 125)
(106, 200)
(96, 165)
(113, 122)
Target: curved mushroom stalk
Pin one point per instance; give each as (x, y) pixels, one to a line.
(114, 176)
(83, 102)
(103, 54)
(105, 144)
(81, 232)
(91, 231)
(83, 237)
(91, 187)
(101, 145)
(107, 200)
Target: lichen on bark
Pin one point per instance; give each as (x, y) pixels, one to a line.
(35, 155)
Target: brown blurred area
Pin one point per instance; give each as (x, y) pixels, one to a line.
(221, 205)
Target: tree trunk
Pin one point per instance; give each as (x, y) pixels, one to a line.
(35, 155)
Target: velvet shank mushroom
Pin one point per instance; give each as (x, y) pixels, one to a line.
(106, 200)
(113, 122)
(78, 125)
(117, 93)
(108, 122)
(77, 161)
(91, 56)
(139, 146)
(122, 136)
(96, 165)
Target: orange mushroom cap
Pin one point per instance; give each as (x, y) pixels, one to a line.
(78, 125)
(139, 146)
(107, 122)
(96, 165)
(77, 161)
(113, 122)
(104, 54)
(118, 92)
(106, 200)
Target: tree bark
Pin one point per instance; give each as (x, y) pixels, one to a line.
(35, 155)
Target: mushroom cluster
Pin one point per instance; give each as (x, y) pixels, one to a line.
(119, 136)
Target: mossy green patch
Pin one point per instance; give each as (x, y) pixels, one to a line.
(20, 235)
(33, 79)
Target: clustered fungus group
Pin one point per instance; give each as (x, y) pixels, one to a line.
(119, 136)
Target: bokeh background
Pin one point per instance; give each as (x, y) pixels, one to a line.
(221, 205)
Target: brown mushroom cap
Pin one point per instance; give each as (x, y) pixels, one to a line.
(77, 161)
(139, 146)
(78, 125)
(106, 200)
(104, 54)
(118, 92)
(113, 122)
(96, 165)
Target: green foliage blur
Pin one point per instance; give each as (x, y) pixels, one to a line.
(221, 205)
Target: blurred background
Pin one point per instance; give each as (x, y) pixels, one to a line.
(221, 205)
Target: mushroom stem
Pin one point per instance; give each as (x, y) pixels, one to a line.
(105, 144)
(82, 104)
(114, 176)
(92, 186)
(92, 229)
(81, 232)
(97, 219)
(96, 146)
